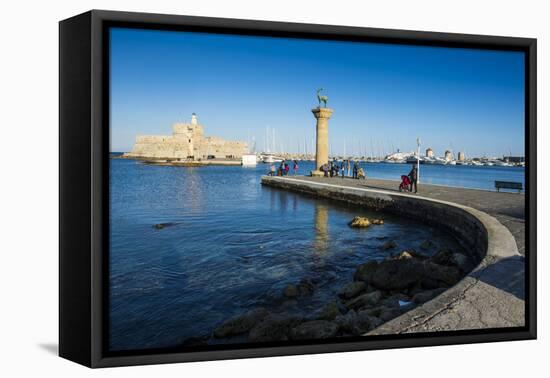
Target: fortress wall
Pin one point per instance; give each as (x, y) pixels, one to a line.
(221, 148)
(187, 140)
(165, 147)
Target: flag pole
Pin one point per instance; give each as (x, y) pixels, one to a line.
(418, 160)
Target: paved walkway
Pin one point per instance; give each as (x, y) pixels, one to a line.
(508, 208)
(491, 296)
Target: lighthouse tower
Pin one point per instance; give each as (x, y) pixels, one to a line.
(194, 120)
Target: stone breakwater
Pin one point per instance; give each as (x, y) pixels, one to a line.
(483, 289)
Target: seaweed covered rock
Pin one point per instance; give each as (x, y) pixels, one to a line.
(363, 222)
(359, 222)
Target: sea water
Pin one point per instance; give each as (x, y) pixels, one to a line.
(231, 245)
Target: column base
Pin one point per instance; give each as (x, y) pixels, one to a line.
(317, 173)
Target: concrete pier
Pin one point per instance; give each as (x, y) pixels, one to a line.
(490, 225)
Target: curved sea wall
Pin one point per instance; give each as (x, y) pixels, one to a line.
(480, 299)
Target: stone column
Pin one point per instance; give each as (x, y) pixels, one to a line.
(321, 153)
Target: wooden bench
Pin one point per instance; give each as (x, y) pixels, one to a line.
(508, 185)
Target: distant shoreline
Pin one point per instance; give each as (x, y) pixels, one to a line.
(179, 163)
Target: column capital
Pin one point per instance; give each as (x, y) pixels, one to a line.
(322, 112)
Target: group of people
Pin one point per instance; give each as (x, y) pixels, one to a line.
(333, 169)
(284, 168)
(409, 181)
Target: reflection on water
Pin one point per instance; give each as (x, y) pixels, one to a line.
(321, 229)
(232, 245)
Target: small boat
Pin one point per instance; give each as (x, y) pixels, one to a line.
(500, 163)
(414, 159)
(271, 159)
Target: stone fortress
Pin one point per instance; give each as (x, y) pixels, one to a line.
(186, 143)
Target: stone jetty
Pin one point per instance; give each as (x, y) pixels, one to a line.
(485, 289)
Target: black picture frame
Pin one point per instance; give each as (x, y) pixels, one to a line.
(84, 179)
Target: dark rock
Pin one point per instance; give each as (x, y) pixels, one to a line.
(356, 323)
(342, 307)
(444, 257)
(364, 300)
(389, 313)
(291, 291)
(375, 311)
(352, 289)
(448, 275)
(273, 328)
(240, 324)
(365, 271)
(397, 274)
(425, 296)
(389, 245)
(415, 289)
(315, 329)
(195, 341)
(306, 287)
(427, 244)
(428, 283)
(330, 311)
(370, 289)
(375, 322)
(160, 226)
(463, 262)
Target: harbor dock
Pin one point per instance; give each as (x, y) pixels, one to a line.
(490, 225)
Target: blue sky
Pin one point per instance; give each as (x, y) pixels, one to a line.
(383, 96)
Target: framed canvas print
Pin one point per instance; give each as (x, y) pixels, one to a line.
(234, 188)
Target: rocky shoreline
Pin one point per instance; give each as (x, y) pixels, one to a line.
(378, 292)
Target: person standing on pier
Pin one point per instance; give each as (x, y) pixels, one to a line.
(355, 169)
(343, 170)
(413, 176)
(325, 169)
(287, 168)
(295, 167)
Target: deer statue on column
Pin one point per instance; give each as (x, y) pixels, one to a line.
(320, 98)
